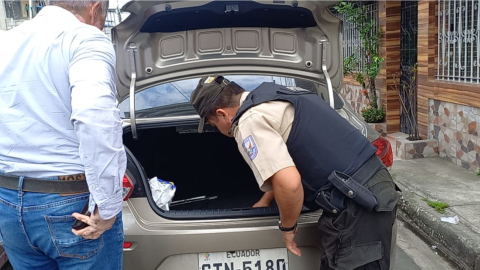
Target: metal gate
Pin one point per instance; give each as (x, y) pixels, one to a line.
(408, 54)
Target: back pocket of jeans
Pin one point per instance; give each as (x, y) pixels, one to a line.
(67, 243)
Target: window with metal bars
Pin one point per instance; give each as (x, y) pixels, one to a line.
(13, 9)
(458, 41)
(352, 44)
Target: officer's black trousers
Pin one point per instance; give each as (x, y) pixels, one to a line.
(357, 238)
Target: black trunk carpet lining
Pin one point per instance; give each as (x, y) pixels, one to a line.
(207, 164)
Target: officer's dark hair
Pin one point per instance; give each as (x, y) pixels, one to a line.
(228, 98)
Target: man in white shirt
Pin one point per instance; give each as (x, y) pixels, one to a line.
(59, 121)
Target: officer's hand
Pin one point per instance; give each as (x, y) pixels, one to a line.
(266, 200)
(288, 237)
(261, 203)
(97, 225)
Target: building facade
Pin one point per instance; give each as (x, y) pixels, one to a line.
(449, 78)
(14, 12)
(442, 38)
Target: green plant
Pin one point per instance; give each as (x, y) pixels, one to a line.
(439, 206)
(478, 173)
(373, 115)
(349, 65)
(357, 14)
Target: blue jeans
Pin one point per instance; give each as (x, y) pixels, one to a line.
(35, 230)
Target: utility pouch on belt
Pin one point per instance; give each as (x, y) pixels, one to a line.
(331, 201)
(353, 190)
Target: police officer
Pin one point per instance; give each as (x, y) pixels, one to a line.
(303, 153)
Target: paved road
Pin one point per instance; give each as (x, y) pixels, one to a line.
(412, 253)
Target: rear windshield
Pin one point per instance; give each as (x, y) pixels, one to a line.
(173, 99)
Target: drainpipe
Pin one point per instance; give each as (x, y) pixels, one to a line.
(30, 8)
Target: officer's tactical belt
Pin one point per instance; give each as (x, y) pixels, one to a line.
(331, 197)
(44, 186)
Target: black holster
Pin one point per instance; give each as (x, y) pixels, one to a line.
(331, 197)
(353, 190)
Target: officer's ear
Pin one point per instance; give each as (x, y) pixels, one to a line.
(220, 113)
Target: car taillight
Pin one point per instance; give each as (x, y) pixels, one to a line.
(127, 244)
(384, 151)
(127, 187)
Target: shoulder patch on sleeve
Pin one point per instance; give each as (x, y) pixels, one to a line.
(250, 146)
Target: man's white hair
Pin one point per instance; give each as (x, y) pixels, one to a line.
(78, 6)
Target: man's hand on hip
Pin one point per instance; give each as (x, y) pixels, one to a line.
(97, 225)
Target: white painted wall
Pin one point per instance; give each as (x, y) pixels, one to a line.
(3, 16)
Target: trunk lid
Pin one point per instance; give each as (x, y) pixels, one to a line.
(163, 41)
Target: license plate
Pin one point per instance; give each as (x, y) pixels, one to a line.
(254, 259)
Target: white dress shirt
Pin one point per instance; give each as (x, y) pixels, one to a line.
(58, 113)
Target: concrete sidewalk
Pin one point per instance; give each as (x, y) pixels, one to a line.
(440, 180)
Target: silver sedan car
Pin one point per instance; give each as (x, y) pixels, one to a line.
(162, 50)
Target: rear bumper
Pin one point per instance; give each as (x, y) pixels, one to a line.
(176, 245)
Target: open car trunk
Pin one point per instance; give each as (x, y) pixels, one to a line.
(200, 164)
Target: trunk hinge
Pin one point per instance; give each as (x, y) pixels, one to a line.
(324, 45)
(133, 120)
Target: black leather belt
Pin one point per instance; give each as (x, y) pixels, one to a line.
(368, 169)
(44, 186)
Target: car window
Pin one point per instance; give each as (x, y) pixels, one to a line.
(173, 99)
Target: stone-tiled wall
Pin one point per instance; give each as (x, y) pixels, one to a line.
(354, 95)
(457, 128)
(406, 149)
(380, 128)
